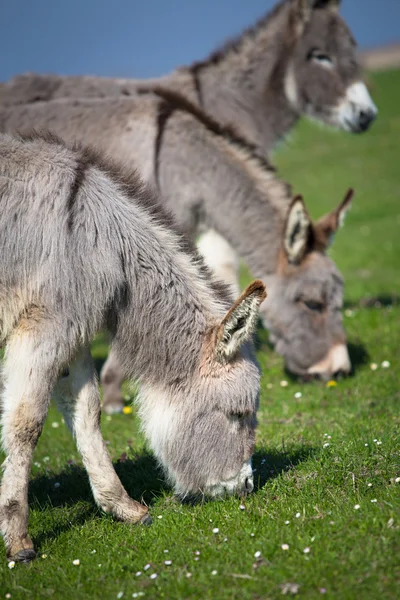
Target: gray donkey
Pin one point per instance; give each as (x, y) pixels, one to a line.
(211, 178)
(300, 59)
(85, 247)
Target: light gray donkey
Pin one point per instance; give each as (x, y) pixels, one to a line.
(210, 178)
(300, 59)
(85, 247)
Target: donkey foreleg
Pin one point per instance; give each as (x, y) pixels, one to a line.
(29, 373)
(221, 258)
(78, 398)
(111, 379)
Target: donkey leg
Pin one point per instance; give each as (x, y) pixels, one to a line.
(29, 373)
(111, 379)
(78, 398)
(221, 258)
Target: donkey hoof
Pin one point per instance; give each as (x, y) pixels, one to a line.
(25, 555)
(146, 520)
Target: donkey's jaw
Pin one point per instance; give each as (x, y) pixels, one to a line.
(356, 111)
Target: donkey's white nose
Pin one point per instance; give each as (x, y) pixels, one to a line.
(336, 361)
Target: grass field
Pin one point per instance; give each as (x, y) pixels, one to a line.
(318, 457)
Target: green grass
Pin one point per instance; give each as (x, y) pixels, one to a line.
(353, 553)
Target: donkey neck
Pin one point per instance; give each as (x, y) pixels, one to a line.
(244, 83)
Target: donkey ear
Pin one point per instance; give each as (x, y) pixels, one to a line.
(240, 321)
(297, 230)
(327, 226)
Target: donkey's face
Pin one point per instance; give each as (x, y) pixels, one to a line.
(323, 80)
(204, 432)
(303, 310)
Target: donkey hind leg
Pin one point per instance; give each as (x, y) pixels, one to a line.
(30, 370)
(221, 258)
(111, 379)
(78, 398)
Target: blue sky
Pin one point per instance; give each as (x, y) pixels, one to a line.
(135, 38)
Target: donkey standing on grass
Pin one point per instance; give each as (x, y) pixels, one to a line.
(83, 247)
(237, 194)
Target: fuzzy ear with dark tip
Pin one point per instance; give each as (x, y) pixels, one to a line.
(327, 226)
(240, 322)
(297, 231)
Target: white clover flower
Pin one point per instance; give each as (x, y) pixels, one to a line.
(298, 395)
(188, 575)
(326, 445)
(357, 507)
(165, 551)
(153, 576)
(242, 507)
(120, 594)
(44, 555)
(252, 535)
(374, 500)
(257, 554)
(159, 517)
(365, 444)
(370, 485)
(167, 562)
(76, 562)
(385, 364)
(287, 522)
(307, 550)
(146, 567)
(285, 547)
(55, 425)
(214, 572)
(11, 564)
(397, 480)
(284, 383)
(197, 552)
(138, 573)
(215, 530)
(298, 515)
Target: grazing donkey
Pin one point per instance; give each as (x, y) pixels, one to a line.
(82, 247)
(300, 59)
(210, 178)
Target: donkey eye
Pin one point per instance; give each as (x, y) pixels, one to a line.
(321, 57)
(314, 305)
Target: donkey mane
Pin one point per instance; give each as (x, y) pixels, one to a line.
(172, 101)
(132, 187)
(233, 44)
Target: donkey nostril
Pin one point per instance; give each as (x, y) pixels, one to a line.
(248, 484)
(365, 119)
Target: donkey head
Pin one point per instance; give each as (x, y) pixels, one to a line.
(323, 77)
(203, 432)
(303, 310)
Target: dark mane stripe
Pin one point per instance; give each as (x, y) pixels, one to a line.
(172, 101)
